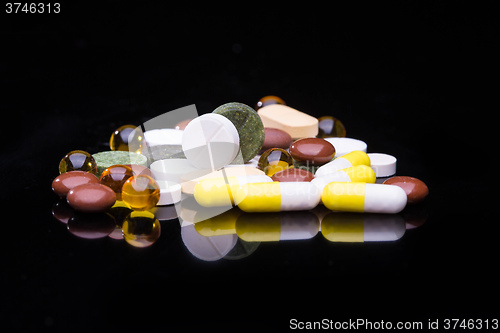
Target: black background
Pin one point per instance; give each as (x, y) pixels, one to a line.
(411, 79)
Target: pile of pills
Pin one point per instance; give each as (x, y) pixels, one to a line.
(272, 158)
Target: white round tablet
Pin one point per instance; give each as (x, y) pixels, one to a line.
(384, 165)
(210, 141)
(171, 169)
(164, 136)
(170, 192)
(346, 145)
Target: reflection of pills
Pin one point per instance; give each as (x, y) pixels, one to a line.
(207, 248)
(267, 227)
(347, 227)
(210, 141)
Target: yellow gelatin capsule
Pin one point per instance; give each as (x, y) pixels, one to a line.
(351, 159)
(121, 137)
(218, 192)
(364, 197)
(274, 160)
(141, 192)
(78, 160)
(358, 173)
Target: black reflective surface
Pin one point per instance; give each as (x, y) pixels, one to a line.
(410, 82)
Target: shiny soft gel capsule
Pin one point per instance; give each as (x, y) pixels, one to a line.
(351, 159)
(277, 196)
(363, 197)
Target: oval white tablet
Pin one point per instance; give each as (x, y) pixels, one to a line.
(170, 192)
(346, 145)
(164, 136)
(210, 141)
(384, 165)
(171, 169)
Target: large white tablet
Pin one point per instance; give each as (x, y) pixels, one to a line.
(210, 141)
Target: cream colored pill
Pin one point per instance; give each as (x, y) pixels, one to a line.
(296, 123)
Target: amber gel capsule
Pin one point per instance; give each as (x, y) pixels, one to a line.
(141, 192)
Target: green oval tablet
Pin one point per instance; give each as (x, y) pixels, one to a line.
(249, 126)
(106, 159)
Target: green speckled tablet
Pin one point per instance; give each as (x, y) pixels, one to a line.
(249, 126)
(108, 158)
(162, 152)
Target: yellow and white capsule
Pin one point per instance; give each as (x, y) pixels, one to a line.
(217, 192)
(353, 228)
(363, 197)
(268, 227)
(277, 197)
(351, 159)
(358, 173)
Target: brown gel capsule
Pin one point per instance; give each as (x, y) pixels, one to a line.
(275, 138)
(91, 198)
(63, 183)
(415, 189)
(293, 175)
(312, 150)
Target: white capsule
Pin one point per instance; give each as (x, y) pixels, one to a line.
(363, 197)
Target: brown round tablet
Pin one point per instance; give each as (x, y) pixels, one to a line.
(275, 138)
(91, 198)
(293, 175)
(312, 150)
(415, 189)
(63, 183)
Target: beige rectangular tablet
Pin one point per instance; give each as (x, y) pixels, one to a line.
(297, 124)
